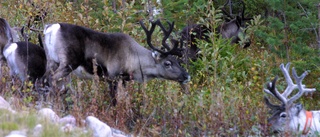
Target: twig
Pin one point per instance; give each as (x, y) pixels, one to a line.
(37, 30)
(152, 114)
(312, 25)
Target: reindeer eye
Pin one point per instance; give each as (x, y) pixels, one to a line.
(283, 115)
(167, 63)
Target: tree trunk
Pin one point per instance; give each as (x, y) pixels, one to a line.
(114, 6)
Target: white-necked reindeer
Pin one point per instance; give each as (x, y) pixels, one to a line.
(25, 60)
(71, 47)
(290, 116)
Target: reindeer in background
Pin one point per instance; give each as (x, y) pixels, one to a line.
(290, 116)
(231, 28)
(25, 60)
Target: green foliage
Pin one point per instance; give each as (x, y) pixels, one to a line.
(291, 35)
(9, 126)
(290, 27)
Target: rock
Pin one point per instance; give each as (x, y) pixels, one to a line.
(67, 128)
(37, 130)
(99, 128)
(17, 133)
(118, 133)
(49, 114)
(5, 105)
(69, 119)
(68, 123)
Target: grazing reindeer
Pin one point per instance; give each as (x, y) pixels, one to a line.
(290, 116)
(25, 59)
(71, 47)
(230, 29)
(189, 36)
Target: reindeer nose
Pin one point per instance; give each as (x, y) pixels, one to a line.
(187, 77)
(247, 44)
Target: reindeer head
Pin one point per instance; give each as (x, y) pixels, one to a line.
(286, 115)
(233, 26)
(166, 62)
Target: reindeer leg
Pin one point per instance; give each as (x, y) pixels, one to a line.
(1, 62)
(47, 77)
(113, 90)
(62, 71)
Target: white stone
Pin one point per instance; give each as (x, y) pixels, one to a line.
(118, 133)
(49, 114)
(17, 133)
(37, 130)
(69, 119)
(67, 128)
(99, 128)
(5, 105)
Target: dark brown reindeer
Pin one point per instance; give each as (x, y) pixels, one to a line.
(230, 29)
(72, 48)
(290, 116)
(25, 60)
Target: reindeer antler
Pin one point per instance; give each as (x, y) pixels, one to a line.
(230, 15)
(225, 11)
(271, 87)
(149, 34)
(166, 33)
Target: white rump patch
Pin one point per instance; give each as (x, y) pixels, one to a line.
(51, 28)
(10, 50)
(10, 54)
(51, 38)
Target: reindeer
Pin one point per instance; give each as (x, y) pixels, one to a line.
(25, 60)
(230, 29)
(7, 35)
(71, 48)
(189, 36)
(290, 116)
